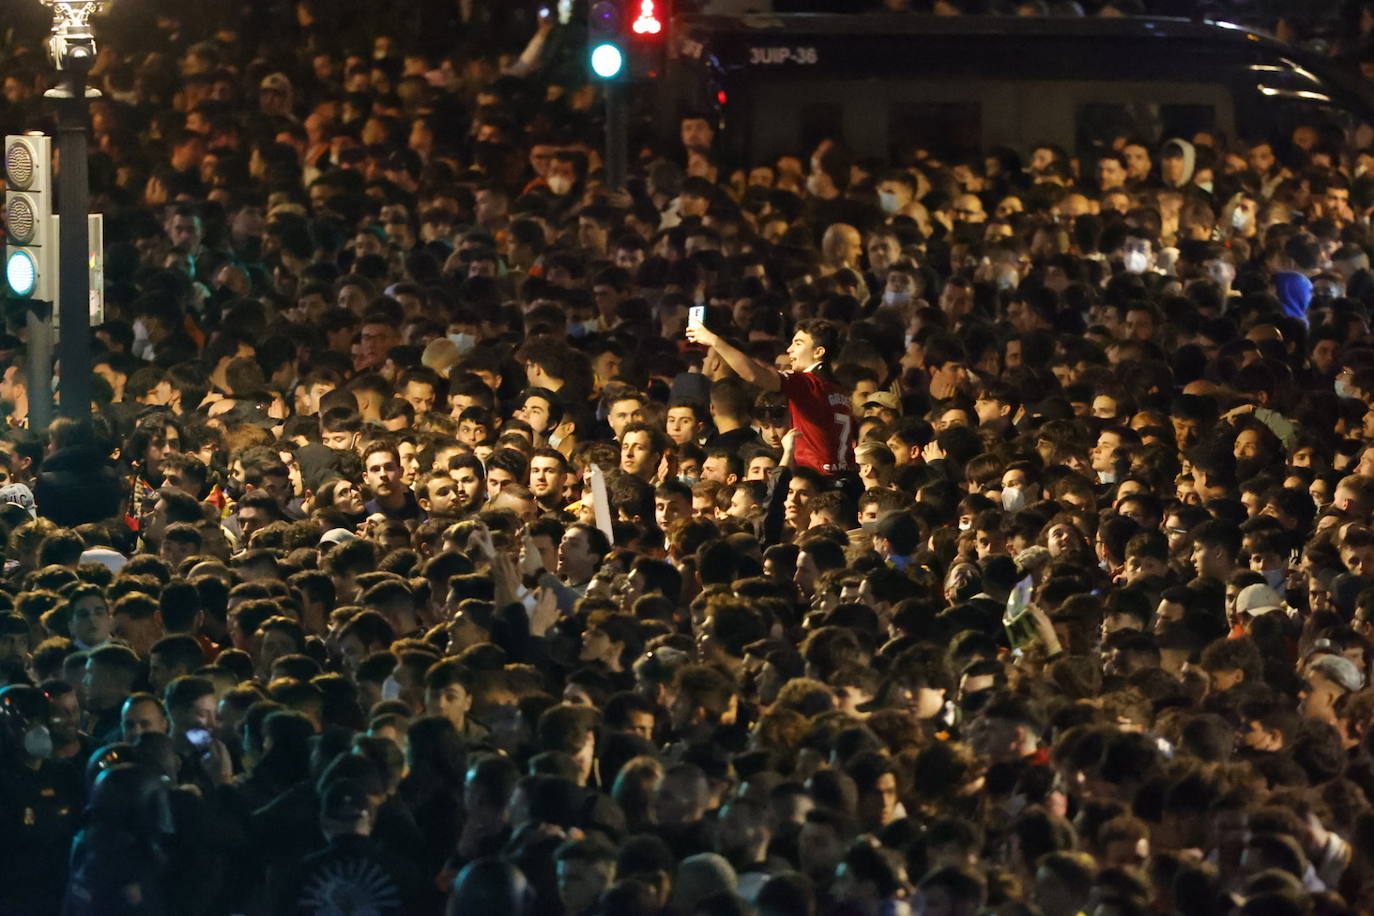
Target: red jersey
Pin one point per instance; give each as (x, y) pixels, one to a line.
(824, 420)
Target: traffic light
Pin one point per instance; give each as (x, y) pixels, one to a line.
(648, 29)
(31, 233)
(606, 38)
(626, 37)
(648, 18)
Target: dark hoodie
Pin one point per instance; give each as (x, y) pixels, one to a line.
(76, 485)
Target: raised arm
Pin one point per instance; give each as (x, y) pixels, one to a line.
(753, 371)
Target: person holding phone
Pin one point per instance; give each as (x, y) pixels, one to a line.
(192, 711)
(818, 407)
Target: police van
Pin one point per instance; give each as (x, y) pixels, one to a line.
(778, 83)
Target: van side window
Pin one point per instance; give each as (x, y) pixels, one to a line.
(958, 125)
(1098, 123)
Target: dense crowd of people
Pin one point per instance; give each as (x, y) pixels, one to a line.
(453, 532)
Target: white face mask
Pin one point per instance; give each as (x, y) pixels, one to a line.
(560, 184)
(1220, 273)
(1013, 499)
(38, 742)
(1274, 578)
(893, 298)
(391, 688)
(1135, 262)
(1238, 219)
(888, 201)
(143, 347)
(464, 342)
(1343, 390)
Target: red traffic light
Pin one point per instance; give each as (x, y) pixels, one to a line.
(647, 21)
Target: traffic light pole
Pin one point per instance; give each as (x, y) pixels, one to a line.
(73, 203)
(38, 364)
(617, 134)
(31, 261)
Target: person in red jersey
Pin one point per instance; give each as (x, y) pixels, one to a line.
(820, 409)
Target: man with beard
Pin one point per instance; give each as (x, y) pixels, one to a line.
(439, 495)
(382, 474)
(548, 476)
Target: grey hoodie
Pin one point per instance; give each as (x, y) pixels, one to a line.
(1189, 159)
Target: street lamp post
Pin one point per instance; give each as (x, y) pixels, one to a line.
(71, 47)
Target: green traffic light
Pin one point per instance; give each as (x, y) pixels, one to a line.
(21, 273)
(607, 60)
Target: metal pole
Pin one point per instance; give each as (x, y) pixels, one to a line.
(38, 365)
(74, 296)
(617, 140)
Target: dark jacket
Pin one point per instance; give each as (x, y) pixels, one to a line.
(77, 485)
(356, 869)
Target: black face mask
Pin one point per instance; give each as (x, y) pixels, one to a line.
(233, 487)
(219, 295)
(1248, 468)
(970, 704)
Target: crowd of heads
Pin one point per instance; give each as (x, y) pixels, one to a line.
(411, 554)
